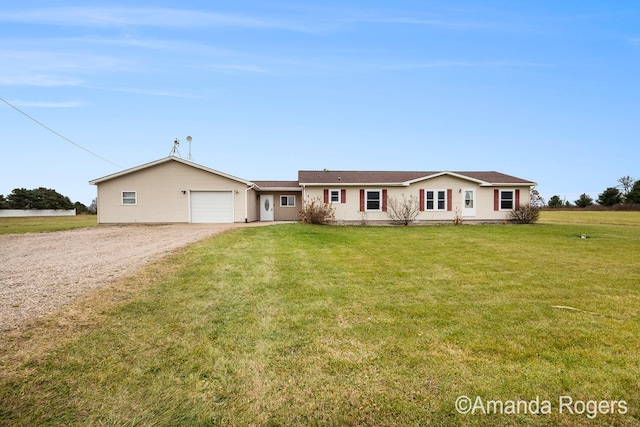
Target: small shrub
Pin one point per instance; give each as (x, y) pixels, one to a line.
(525, 214)
(457, 219)
(315, 211)
(403, 212)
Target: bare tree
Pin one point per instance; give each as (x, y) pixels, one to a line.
(93, 207)
(626, 182)
(405, 211)
(535, 198)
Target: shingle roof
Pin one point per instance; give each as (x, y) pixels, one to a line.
(358, 177)
(277, 184)
(399, 177)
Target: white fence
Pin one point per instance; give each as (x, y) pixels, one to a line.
(6, 213)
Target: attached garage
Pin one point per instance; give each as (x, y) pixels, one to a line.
(173, 190)
(211, 206)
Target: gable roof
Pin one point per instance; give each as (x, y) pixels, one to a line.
(400, 178)
(165, 160)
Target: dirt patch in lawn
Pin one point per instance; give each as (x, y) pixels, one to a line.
(42, 272)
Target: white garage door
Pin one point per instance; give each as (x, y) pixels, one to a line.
(211, 206)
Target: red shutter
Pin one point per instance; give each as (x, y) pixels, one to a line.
(449, 201)
(496, 200)
(422, 200)
(343, 196)
(384, 200)
(517, 199)
(326, 195)
(361, 200)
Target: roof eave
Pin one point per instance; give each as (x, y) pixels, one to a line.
(509, 184)
(279, 188)
(354, 184)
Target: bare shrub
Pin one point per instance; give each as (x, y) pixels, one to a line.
(405, 211)
(457, 219)
(525, 214)
(315, 211)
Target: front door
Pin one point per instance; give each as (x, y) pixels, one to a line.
(266, 207)
(468, 202)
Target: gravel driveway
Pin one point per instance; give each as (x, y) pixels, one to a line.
(41, 272)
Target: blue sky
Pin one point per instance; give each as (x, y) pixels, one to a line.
(544, 90)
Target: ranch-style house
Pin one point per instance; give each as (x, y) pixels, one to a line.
(174, 190)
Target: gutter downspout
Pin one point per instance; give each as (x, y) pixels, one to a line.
(246, 202)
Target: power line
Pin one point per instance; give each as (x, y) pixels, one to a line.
(56, 133)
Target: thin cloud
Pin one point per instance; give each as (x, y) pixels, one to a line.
(150, 17)
(237, 67)
(47, 104)
(150, 44)
(33, 60)
(151, 92)
(464, 64)
(55, 68)
(437, 23)
(38, 80)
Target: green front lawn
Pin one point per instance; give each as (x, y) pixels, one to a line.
(307, 325)
(20, 225)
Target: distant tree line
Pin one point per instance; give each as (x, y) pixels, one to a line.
(39, 198)
(626, 193)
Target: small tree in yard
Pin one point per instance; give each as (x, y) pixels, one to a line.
(315, 211)
(584, 201)
(80, 208)
(555, 202)
(609, 197)
(633, 196)
(525, 214)
(405, 211)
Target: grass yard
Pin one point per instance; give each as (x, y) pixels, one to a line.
(382, 326)
(19, 225)
(590, 217)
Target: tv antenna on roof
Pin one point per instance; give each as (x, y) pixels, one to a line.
(189, 156)
(174, 150)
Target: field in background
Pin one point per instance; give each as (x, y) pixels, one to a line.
(589, 217)
(42, 224)
(310, 325)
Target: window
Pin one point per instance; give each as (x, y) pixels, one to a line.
(468, 199)
(334, 196)
(287, 201)
(506, 199)
(435, 200)
(373, 199)
(129, 198)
